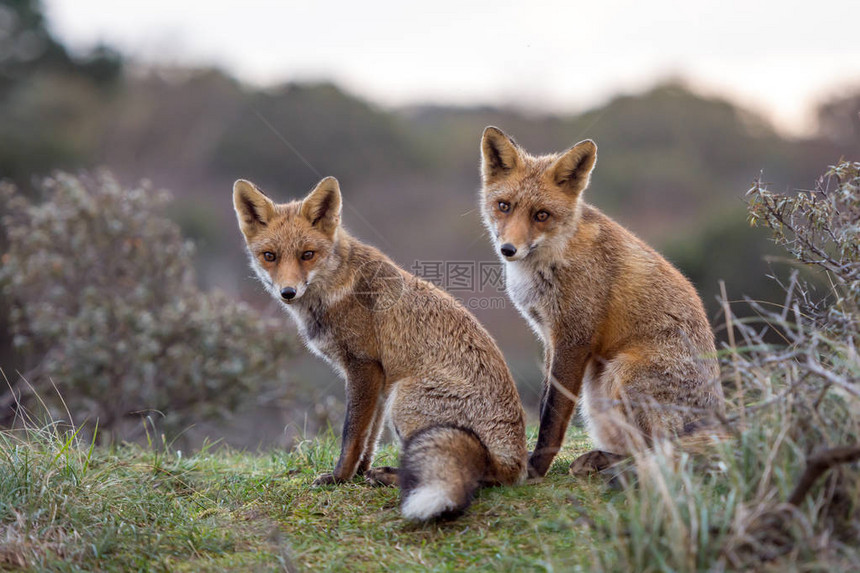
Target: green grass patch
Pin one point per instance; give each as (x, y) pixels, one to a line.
(68, 507)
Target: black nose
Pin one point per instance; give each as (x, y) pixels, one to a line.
(288, 292)
(508, 250)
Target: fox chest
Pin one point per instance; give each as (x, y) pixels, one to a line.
(317, 335)
(532, 293)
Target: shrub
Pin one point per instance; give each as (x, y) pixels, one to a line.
(760, 502)
(104, 302)
(821, 229)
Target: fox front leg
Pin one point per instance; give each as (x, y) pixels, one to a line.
(561, 388)
(379, 476)
(372, 438)
(363, 388)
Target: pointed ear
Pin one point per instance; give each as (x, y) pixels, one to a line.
(253, 209)
(322, 206)
(500, 155)
(572, 171)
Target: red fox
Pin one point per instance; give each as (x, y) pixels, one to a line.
(409, 352)
(624, 332)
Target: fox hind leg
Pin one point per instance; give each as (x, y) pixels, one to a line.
(595, 461)
(382, 476)
(621, 405)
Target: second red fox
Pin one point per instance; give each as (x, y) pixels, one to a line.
(624, 333)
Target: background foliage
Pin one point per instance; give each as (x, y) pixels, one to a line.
(103, 298)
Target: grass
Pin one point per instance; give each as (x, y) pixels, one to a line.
(68, 506)
(64, 507)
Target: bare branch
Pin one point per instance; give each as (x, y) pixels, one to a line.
(819, 464)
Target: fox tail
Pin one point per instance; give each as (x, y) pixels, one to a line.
(441, 468)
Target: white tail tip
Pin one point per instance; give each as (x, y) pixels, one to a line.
(426, 502)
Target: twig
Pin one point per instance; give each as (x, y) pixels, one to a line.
(819, 464)
(730, 330)
(840, 381)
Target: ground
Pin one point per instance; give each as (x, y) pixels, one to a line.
(132, 508)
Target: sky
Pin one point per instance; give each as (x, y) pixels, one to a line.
(775, 57)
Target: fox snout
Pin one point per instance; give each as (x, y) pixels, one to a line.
(515, 236)
(288, 293)
(508, 250)
(514, 250)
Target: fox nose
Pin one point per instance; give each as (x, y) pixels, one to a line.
(288, 293)
(508, 250)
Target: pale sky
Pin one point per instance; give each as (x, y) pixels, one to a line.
(775, 57)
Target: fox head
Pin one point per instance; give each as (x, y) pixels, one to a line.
(291, 245)
(530, 203)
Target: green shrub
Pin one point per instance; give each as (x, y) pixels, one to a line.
(821, 229)
(104, 303)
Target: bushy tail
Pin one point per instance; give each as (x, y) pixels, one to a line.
(440, 469)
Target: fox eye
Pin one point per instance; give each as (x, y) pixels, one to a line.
(504, 206)
(269, 256)
(541, 216)
(307, 255)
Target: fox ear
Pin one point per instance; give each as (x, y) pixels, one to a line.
(500, 154)
(253, 209)
(322, 206)
(572, 171)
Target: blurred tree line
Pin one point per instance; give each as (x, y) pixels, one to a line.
(47, 95)
(673, 165)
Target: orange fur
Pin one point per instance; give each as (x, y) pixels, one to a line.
(625, 334)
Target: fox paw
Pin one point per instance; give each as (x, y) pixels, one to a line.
(382, 476)
(594, 462)
(538, 464)
(326, 479)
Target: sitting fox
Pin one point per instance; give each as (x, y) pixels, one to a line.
(408, 351)
(624, 333)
